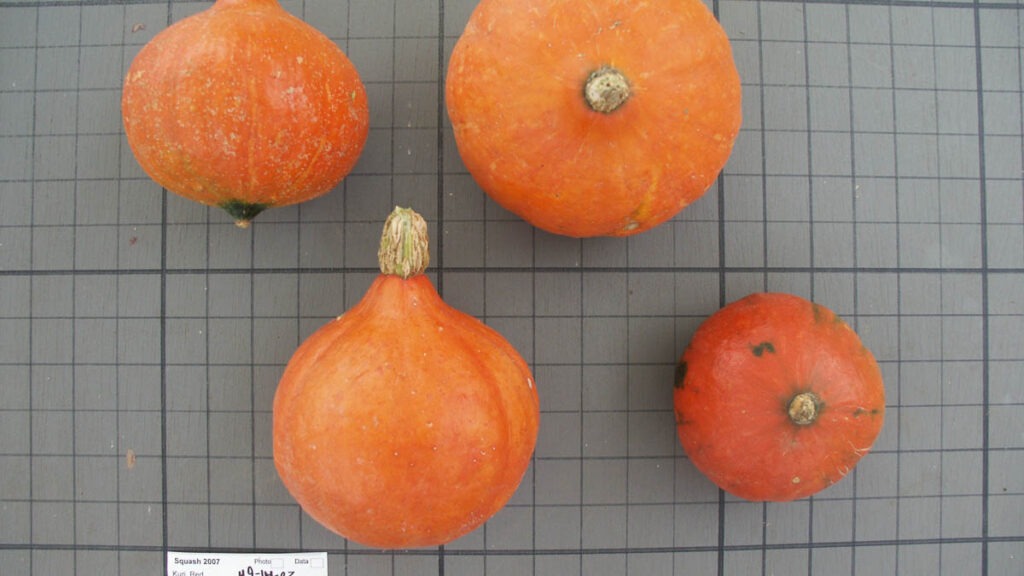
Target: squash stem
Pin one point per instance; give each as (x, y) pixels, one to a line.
(804, 408)
(243, 212)
(404, 244)
(606, 90)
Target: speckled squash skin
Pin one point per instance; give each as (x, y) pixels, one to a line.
(246, 107)
(776, 398)
(517, 96)
(404, 423)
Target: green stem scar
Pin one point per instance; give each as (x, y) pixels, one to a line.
(243, 212)
(680, 374)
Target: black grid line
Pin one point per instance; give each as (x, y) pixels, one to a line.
(985, 470)
(117, 327)
(896, 171)
(942, 438)
(31, 339)
(74, 254)
(853, 200)
(164, 313)
(811, 253)
(862, 544)
(722, 297)
(439, 143)
(513, 506)
(316, 271)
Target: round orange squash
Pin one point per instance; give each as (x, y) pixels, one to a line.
(404, 422)
(246, 107)
(597, 118)
(776, 398)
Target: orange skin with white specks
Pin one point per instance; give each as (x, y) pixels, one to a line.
(515, 97)
(738, 378)
(246, 107)
(404, 423)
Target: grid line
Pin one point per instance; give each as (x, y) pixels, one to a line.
(164, 313)
(31, 339)
(899, 351)
(888, 543)
(763, 173)
(469, 270)
(985, 463)
(440, 183)
(722, 295)
(853, 199)
(117, 326)
(812, 226)
(74, 259)
(371, 82)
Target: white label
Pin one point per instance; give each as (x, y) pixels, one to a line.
(214, 564)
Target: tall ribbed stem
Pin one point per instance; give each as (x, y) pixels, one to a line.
(404, 244)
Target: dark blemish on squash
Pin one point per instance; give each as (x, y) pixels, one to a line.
(820, 313)
(680, 375)
(858, 412)
(763, 347)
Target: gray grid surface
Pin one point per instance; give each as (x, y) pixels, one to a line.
(879, 172)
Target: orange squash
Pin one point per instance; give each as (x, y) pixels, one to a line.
(776, 398)
(246, 107)
(596, 118)
(404, 422)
